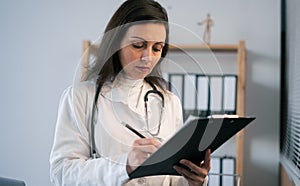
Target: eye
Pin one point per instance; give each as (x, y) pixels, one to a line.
(158, 48)
(138, 45)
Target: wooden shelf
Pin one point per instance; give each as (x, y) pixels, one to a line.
(213, 47)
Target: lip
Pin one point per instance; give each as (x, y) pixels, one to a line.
(143, 69)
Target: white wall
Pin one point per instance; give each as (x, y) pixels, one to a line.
(40, 46)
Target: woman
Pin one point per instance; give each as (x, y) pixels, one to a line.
(92, 146)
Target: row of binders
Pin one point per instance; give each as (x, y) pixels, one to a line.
(222, 171)
(206, 94)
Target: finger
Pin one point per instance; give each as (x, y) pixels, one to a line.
(145, 148)
(148, 141)
(195, 169)
(137, 157)
(156, 142)
(189, 175)
(190, 165)
(206, 164)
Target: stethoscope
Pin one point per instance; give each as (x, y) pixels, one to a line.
(93, 150)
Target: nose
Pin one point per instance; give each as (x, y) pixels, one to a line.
(147, 55)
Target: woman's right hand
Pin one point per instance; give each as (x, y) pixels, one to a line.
(140, 151)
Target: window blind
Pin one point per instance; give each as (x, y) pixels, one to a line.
(290, 115)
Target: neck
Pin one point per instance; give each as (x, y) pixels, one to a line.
(125, 80)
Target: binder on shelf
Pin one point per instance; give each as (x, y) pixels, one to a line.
(216, 93)
(228, 168)
(176, 85)
(203, 91)
(191, 142)
(214, 171)
(190, 89)
(229, 101)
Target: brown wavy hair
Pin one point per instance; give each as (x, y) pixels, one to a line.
(107, 64)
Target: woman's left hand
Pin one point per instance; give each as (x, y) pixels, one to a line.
(197, 173)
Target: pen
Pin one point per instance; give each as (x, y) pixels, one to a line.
(133, 130)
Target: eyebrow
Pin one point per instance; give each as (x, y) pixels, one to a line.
(140, 38)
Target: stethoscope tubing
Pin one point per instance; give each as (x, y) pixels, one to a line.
(93, 150)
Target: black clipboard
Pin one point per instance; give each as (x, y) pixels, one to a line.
(190, 142)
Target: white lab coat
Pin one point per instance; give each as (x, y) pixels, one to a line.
(70, 162)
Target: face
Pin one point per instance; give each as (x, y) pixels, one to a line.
(141, 49)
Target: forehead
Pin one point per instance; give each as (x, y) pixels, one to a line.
(147, 31)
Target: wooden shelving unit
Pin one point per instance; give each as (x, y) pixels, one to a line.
(240, 50)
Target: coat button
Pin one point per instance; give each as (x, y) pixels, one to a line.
(141, 181)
